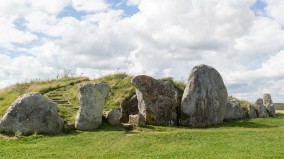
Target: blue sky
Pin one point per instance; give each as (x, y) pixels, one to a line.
(242, 39)
(259, 6)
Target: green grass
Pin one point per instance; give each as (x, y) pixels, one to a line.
(121, 88)
(179, 85)
(10, 94)
(243, 103)
(256, 138)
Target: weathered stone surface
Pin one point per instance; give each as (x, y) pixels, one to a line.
(233, 110)
(113, 116)
(261, 109)
(251, 111)
(268, 103)
(157, 100)
(92, 100)
(32, 113)
(137, 120)
(128, 107)
(204, 99)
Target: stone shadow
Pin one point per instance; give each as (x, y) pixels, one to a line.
(131, 132)
(243, 123)
(237, 123)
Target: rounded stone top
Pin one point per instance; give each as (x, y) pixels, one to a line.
(259, 101)
(267, 99)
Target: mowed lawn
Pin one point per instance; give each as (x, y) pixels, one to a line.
(255, 138)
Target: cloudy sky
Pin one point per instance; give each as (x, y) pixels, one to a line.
(242, 39)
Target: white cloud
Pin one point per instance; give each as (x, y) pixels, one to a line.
(133, 2)
(90, 5)
(275, 10)
(48, 6)
(165, 38)
(10, 34)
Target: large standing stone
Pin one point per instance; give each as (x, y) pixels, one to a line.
(128, 107)
(32, 113)
(261, 109)
(92, 100)
(267, 102)
(157, 100)
(204, 99)
(251, 112)
(233, 110)
(113, 116)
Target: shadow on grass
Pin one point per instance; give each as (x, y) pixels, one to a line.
(243, 123)
(1, 98)
(131, 133)
(239, 123)
(109, 127)
(150, 127)
(106, 127)
(280, 115)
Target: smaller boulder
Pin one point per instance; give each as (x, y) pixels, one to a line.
(267, 102)
(261, 109)
(251, 111)
(32, 113)
(137, 120)
(233, 110)
(113, 116)
(128, 107)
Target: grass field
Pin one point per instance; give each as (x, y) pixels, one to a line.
(255, 138)
(235, 139)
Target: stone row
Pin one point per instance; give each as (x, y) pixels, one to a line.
(203, 103)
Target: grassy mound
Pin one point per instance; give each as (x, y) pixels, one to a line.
(121, 88)
(247, 138)
(243, 103)
(10, 94)
(64, 93)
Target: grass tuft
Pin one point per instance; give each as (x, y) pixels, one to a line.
(243, 103)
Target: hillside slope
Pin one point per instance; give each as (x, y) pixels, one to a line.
(8, 95)
(64, 92)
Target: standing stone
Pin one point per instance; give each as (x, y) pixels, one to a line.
(92, 100)
(251, 112)
(267, 102)
(32, 113)
(137, 120)
(261, 109)
(204, 99)
(233, 110)
(157, 100)
(128, 107)
(113, 116)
